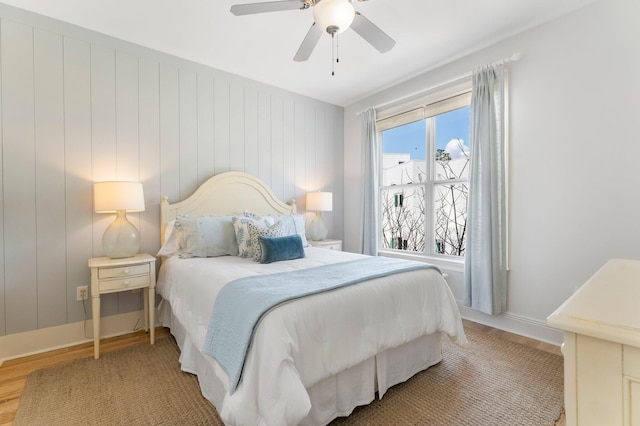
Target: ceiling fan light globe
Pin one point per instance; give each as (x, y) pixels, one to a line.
(335, 14)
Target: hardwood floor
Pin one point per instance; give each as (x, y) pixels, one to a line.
(13, 374)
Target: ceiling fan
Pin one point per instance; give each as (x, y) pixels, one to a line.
(332, 16)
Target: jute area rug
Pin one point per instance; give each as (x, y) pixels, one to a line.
(491, 382)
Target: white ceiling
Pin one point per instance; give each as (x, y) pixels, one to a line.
(261, 47)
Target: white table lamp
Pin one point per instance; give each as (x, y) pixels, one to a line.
(121, 238)
(319, 202)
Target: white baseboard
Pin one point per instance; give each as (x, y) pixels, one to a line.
(517, 324)
(37, 341)
(46, 339)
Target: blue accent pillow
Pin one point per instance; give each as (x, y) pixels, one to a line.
(275, 249)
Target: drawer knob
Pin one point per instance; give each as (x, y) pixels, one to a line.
(126, 283)
(126, 272)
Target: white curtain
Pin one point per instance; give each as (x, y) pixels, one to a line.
(371, 153)
(485, 274)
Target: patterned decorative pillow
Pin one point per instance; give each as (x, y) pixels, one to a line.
(251, 215)
(255, 232)
(242, 232)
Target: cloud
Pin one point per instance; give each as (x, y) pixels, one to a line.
(457, 148)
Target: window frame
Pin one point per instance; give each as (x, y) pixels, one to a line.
(436, 104)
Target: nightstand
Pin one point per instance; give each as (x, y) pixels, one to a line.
(327, 244)
(114, 275)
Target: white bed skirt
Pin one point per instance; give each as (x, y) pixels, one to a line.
(332, 397)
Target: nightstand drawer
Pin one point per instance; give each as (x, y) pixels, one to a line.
(124, 283)
(125, 271)
(328, 244)
(109, 276)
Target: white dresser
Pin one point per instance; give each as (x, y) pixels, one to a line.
(601, 324)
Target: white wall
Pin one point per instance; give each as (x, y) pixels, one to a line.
(574, 155)
(79, 107)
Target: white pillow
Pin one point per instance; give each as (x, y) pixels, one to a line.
(200, 236)
(240, 225)
(293, 224)
(207, 236)
(171, 244)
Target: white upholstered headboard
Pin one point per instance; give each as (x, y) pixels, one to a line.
(224, 194)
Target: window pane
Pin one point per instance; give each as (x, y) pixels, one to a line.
(403, 218)
(425, 172)
(450, 218)
(452, 140)
(403, 154)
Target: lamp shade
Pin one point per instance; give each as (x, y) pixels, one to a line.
(334, 15)
(110, 197)
(320, 201)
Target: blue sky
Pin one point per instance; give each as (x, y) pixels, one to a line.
(411, 137)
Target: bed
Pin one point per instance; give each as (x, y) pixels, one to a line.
(312, 359)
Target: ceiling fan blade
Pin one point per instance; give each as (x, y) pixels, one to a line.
(308, 44)
(372, 34)
(270, 6)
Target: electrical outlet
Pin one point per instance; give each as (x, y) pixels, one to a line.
(82, 293)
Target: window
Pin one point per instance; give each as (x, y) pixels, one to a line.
(425, 178)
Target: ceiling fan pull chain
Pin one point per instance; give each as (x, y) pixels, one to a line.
(337, 48)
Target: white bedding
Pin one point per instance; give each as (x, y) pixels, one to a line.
(302, 343)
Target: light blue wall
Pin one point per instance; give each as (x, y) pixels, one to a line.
(79, 107)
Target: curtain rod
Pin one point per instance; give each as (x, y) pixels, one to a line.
(513, 58)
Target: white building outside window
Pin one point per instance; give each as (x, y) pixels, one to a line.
(424, 178)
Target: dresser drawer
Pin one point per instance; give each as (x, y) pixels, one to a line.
(123, 271)
(121, 284)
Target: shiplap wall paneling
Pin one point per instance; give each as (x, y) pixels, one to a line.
(264, 137)
(82, 108)
(127, 118)
(277, 147)
(288, 156)
(50, 178)
(205, 127)
(251, 161)
(169, 133)
(104, 159)
(236, 126)
(149, 128)
(336, 159)
(321, 181)
(316, 159)
(103, 120)
(3, 288)
(127, 148)
(19, 177)
(79, 191)
(188, 125)
(300, 153)
(221, 125)
(310, 138)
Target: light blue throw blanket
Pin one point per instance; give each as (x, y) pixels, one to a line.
(243, 302)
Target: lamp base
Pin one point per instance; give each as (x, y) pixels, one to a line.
(317, 228)
(121, 239)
